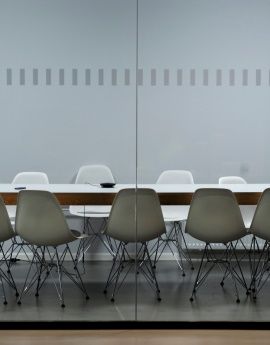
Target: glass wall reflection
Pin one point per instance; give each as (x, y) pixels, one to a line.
(203, 103)
(68, 109)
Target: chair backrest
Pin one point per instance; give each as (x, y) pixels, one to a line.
(175, 177)
(94, 174)
(40, 220)
(6, 230)
(31, 177)
(260, 225)
(130, 205)
(231, 180)
(214, 216)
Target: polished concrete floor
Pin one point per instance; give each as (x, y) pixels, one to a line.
(213, 303)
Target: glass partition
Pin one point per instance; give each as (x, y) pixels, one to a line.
(100, 97)
(203, 108)
(67, 100)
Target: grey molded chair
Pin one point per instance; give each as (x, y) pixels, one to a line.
(41, 223)
(260, 228)
(22, 179)
(131, 205)
(215, 217)
(6, 233)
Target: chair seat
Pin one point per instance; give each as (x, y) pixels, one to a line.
(78, 234)
(99, 211)
(247, 214)
(11, 209)
(174, 213)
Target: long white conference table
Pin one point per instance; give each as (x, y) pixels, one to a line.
(169, 194)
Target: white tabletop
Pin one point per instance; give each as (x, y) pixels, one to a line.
(160, 188)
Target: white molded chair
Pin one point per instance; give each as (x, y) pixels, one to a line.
(31, 177)
(246, 210)
(175, 176)
(175, 215)
(23, 178)
(93, 175)
(231, 180)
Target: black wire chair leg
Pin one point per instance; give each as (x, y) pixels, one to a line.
(60, 276)
(153, 273)
(185, 243)
(198, 274)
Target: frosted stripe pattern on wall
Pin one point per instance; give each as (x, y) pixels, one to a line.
(126, 77)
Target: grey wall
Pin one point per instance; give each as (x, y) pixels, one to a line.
(59, 127)
(215, 128)
(213, 120)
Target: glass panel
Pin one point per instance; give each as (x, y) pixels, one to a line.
(203, 108)
(68, 100)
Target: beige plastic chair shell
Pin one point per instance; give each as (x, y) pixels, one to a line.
(215, 217)
(121, 223)
(40, 220)
(6, 230)
(260, 225)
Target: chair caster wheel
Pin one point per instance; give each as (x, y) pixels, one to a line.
(17, 294)
(105, 292)
(253, 290)
(159, 299)
(192, 268)
(254, 298)
(37, 294)
(8, 271)
(247, 292)
(222, 283)
(154, 267)
(19, 302)
(183, 274)
(5, 302)
(63, 305)
(87, 297)
(191, 299)
(238, 300)
(112, 299)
